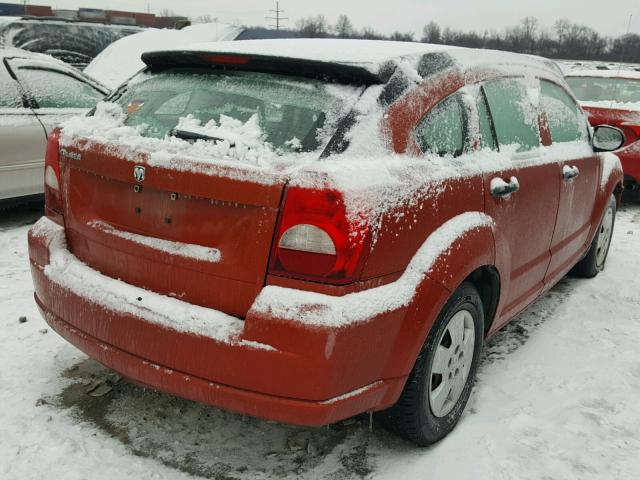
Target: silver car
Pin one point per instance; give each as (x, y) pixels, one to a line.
(36, 93)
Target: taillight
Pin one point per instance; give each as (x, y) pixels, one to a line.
(316, 240)
(52, 185)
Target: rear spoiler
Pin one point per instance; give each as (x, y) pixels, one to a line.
(337, 72)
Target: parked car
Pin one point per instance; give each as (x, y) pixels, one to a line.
(613, 97)
(305, 230)
(36, 92)
(123, 58)
(75, 43)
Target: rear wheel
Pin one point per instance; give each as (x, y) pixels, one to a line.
(596, 258)
(440, 384)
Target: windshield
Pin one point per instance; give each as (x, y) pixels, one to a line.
(595, 89)
(291, 114)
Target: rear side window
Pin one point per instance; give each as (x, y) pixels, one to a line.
(442, 130)
(566, 120)
(53, 89)
(9, 94)
(514, 114)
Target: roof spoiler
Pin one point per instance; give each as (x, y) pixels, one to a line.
(337, 72)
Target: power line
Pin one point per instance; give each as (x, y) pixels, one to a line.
(278, 18)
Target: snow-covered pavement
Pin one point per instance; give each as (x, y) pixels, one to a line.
(556, 398)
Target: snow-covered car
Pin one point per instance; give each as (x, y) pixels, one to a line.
(612, 97)
(123, 58)
(75, 43)
(305, 230)
(36, 92)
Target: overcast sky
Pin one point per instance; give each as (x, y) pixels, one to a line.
(608, 17)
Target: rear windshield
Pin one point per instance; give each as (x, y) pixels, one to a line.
(291, 114)
(595, 89)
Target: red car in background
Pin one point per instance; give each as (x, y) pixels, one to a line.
(612, 97)
(306, 230)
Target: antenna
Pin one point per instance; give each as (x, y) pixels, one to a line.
(278, 18)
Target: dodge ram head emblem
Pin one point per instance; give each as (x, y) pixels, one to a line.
(138, 173)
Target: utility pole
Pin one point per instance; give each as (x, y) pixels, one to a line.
(278, 18)
(24, 2)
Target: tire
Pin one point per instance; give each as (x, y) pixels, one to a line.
(420, 415)
(595, 259)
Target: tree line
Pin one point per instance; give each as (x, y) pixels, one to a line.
(564, 40)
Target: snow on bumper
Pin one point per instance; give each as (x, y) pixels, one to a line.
(263, 366)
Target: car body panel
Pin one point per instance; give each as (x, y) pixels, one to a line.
(23, 142)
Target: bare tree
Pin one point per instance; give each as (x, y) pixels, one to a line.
(402, 37)
(344, 27)
(313, 26)
(431, 33)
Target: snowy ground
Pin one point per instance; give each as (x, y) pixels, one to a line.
(556, 398)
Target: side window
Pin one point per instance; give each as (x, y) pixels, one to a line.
(514, 115)
(10, 96)
(53, 89)
(566, 121)
(485, 124)
(442, 130)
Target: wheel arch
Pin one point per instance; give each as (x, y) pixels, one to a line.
(486, 279)
(470, 257)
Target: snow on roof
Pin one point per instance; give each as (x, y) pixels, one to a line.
(616, 73)
(369, 54)
(17, 52)
(12, 52)
(121, 60)
(4, 20)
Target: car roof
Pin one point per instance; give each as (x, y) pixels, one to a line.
(10, 52)
(371, 56)
(614, 73)
(18, 52)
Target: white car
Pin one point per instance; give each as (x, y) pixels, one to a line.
(36, 92)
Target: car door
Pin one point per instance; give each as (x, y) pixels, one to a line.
(521, 194)
(578, 170)
(58, 94)
(22, 141)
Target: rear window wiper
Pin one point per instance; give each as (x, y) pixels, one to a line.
(193, 136)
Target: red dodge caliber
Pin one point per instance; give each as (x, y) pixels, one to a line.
(305, 230)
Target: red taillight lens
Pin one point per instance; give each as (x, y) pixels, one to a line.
(52, 184)
(316, 240)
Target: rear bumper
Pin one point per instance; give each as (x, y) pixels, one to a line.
(264, 366)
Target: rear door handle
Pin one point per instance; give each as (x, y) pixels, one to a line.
(502, 189)
(570, 172)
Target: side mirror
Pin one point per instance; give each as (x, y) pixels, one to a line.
(607, 139)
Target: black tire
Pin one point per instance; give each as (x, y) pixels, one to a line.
(593, 263)
(412, 416)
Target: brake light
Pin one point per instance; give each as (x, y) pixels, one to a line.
(220, 59)
(316, 240)
(52, 192)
